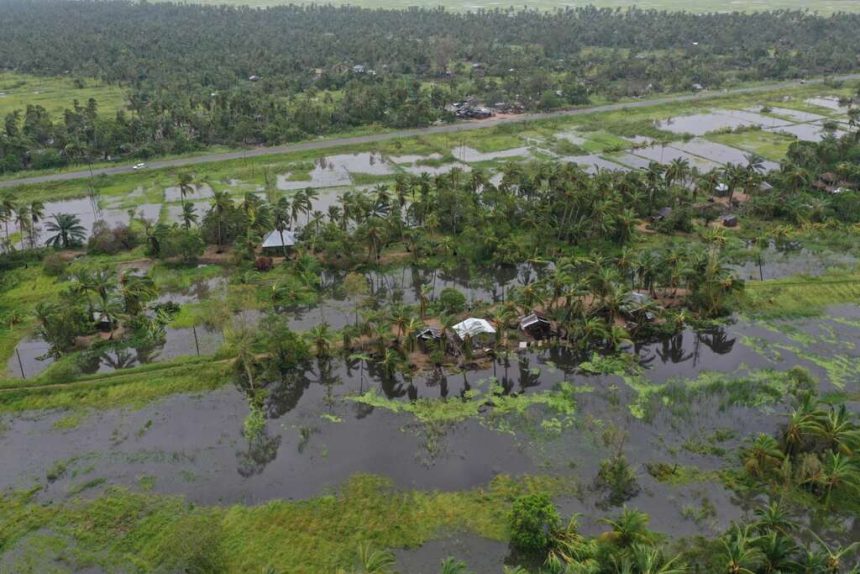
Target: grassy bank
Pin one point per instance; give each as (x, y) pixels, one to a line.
(121, 529)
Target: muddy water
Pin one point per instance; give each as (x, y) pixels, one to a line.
(813, 132)
(334, 171)
(197, 193)
(719, 153)
(316, 437)
(88, 214)
(468, 155)
(777, 264)
(666, 154)
(700, 124)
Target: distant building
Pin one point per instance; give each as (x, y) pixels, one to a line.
(664, 213)
(477, 330)
(254, 78)
(535, 325)
(272, 244)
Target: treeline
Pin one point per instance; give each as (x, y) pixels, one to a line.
(198, 76)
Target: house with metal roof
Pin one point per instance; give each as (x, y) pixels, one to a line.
(276, 241)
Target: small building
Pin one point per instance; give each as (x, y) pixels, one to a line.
(721, 189)
(274, 245)
(102, 322)
(427, 337)
(765, 187)
(664, 213)
(477, 330)
(729, 220)
(254, 78)
(535, 325)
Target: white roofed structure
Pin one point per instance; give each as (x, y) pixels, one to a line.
(273, 240)
(473, 327)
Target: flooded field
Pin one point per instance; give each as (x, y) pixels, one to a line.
(319, 433)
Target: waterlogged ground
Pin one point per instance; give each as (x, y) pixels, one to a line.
(541, 412)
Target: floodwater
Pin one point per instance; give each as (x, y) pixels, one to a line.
(829, 102)
(776, 264)
(88, 214)
(469, 155)
(719, 153)
(200, 191)
(701, 124)
(336, 170)
(665, 154)
(812, 132)
(796, 115)
(317, 436)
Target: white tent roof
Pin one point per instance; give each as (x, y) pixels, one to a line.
(472, 326)
(274, 239)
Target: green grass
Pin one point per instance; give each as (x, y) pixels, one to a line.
(130, 387)
(146, 532)
(56, 94)
(768, 145)
(794, 297)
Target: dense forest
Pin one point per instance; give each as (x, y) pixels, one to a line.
(197, 76)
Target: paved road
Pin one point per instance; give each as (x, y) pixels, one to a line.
(385, 136)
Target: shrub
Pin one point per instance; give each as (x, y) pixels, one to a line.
(451, 301)
(533, 521)
(54, 265)
(109, 241)
(618, 479)
(263, 263)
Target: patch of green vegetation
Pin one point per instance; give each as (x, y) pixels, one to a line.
(87, 485)
(560, 401)
(70, 421)
(754, 389)
(799, 296)
(56, 94)
(132, 387)
(679, 474)
(767, 144)
(56, 470)
(166, 533)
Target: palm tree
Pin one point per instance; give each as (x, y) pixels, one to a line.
(742, 556)
(221, 203)
(135, 291)
(840, 472)
(185, 181)
(630, 528)
(453, 566)
(762, 456)
(22, 219)
(281, 217)
(67, 229)
(7, 211)
(189, 215)
(832, 558)
(37, 213)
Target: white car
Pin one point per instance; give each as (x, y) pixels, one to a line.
(138, 166)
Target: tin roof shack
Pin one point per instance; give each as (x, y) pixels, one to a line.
(428, 338)
(279, 242)
(479, 332)
(535, 325)
(661, 215)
